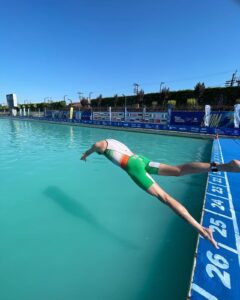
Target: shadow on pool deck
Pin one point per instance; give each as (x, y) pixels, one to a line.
(76, 209)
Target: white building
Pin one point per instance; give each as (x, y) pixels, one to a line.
(11, 100)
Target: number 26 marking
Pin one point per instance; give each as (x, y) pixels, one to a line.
(218, 261)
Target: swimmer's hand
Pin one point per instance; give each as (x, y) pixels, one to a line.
(88, 152)
(207, 234)
(84, 157)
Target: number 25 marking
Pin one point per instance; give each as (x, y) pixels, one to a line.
(215, 227)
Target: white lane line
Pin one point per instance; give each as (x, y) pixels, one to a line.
(215, 213)
(227, 248)
(202, 292)
(216, 175)
(218, 184)
(215, 195)
(235, 225)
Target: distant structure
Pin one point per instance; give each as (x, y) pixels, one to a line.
(11, 100)
(12, 103)
(234, 81)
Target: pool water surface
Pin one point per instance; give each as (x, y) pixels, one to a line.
(83, 230)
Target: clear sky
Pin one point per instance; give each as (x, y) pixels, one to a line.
(52, 48)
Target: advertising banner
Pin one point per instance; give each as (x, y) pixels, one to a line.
(187, 118)
(222, 119)
(86, 115)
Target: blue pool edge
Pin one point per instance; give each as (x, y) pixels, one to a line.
(216, 272)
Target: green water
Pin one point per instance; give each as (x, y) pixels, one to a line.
(72, 230)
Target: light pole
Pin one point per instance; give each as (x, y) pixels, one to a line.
(136, 87)
(64, 97)
(80, 95)
(136, 92)
(125, 106)
(89, 97)
(45, 106)
(161, 84)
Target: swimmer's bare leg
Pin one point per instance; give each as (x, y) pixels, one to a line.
(180, 210)
(197, 168)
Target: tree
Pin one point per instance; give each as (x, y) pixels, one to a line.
(115, 100)
(84, 102)
(199, 90)
(141, 96)
(62, 104)
(237, 101)
(99, 100)
(165, 95)
(192, 102)
(3, 107)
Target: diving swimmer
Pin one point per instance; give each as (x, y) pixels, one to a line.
(139, 169)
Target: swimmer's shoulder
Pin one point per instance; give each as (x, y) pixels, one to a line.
(101, 146)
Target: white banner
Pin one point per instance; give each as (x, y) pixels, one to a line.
(207, 115)
(110, 113)
(14, 112)
(236, 115)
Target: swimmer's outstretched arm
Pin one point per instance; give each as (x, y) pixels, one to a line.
(89, 152)
(180, 210)
(97, 147)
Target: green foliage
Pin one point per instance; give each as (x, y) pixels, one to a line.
(225, 97)
(84, 102)
(57, 105)
(3, 107)
(238, 101)
(115, 100)
(213, 96)
(36, 106)
(192, 102)
(172, 102)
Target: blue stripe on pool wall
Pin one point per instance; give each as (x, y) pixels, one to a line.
(216, 273)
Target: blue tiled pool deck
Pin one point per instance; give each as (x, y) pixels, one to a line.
(216, 272)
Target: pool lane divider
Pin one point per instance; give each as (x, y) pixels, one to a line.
(216, 272)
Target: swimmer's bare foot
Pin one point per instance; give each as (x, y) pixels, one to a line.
(207, 234)
(232, 166)
(235, 166)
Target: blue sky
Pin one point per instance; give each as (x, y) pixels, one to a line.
(56, 48)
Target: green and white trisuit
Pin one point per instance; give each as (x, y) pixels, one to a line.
(138, 167)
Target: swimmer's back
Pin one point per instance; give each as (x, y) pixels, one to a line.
(119, 147)
(117, 152)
